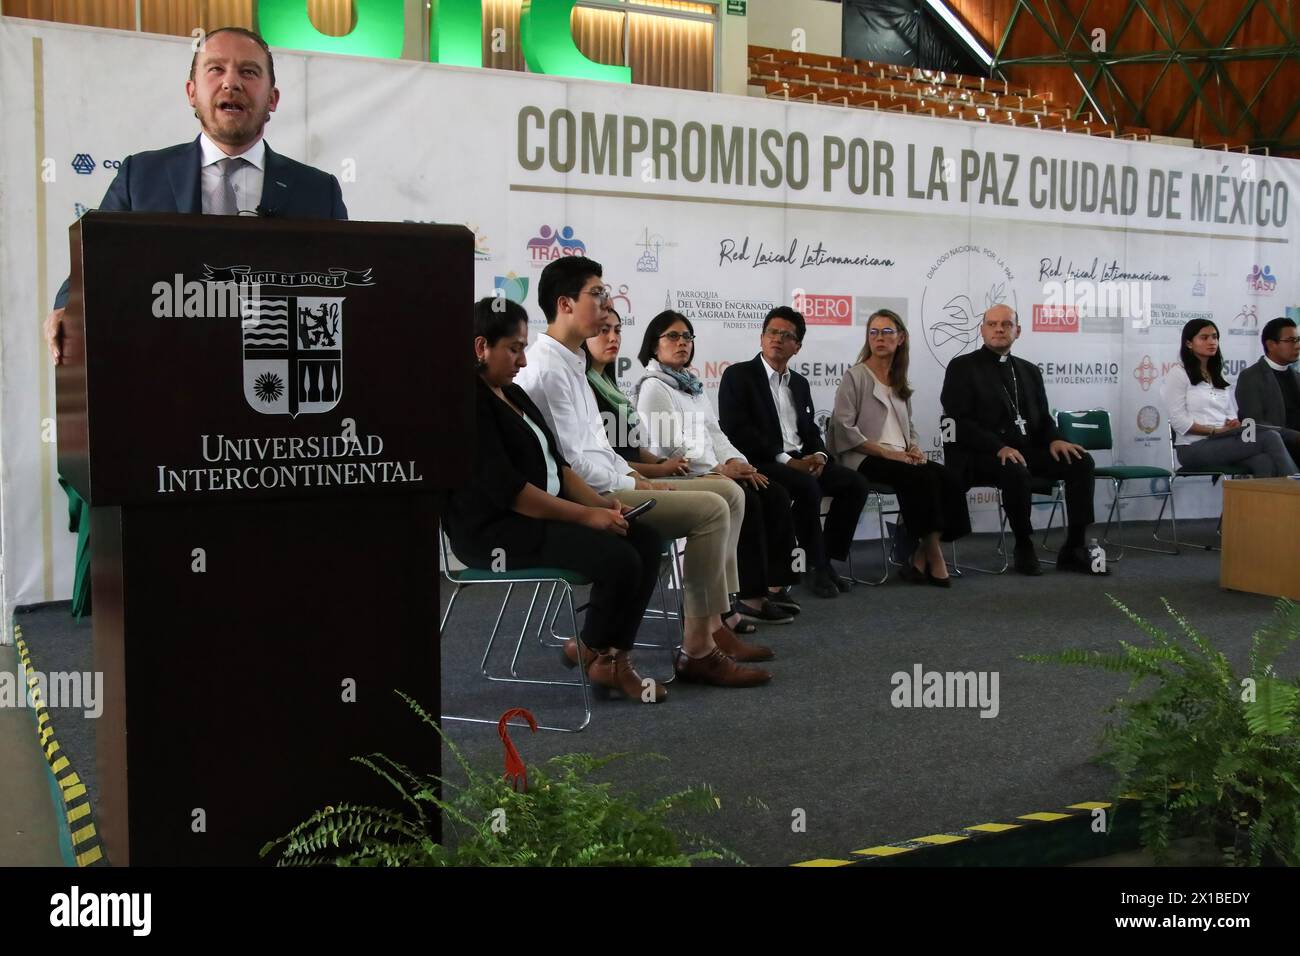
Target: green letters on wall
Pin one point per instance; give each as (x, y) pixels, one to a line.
(455, 34)
(549, 48)
(378, 32)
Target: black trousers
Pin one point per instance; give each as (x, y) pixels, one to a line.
(1291, 438)
(624, 573)
(765, 552)
(1014, 480)
(930, 497)
(844, 485)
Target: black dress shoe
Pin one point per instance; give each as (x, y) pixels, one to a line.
(1027, 560)
(768, 613)
(938, 582)
(820, 584)
(1078, 559)
(784, 601)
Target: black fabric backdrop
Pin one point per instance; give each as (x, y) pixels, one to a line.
(905, 33)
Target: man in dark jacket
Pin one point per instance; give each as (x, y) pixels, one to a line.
(1003, 435)
(1269, 391)
(228, 169)
(766, 410)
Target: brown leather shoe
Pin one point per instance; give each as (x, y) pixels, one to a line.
(616, 673)
(571, 654)
(738, 650)
(718, 669)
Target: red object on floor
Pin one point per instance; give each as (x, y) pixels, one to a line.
(516, 773)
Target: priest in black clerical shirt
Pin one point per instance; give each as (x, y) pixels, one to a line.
(1269, 391)
(1004, 435)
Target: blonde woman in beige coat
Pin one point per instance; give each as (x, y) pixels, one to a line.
(871, 430)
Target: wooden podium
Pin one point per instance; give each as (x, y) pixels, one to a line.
(260, 413)
(1261, 537)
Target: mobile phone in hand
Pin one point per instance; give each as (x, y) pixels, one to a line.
(640, 509)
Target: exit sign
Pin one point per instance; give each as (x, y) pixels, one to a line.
(736, 7)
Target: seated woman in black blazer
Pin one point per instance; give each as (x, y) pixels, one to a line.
(525, 500)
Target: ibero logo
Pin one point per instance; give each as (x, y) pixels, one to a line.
(820, 309)
(1056, 318)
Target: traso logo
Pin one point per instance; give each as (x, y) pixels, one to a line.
(549, 245)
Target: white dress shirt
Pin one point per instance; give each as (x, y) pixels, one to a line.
(555, 378)
(247, 180)
(673, 420)
(1274, 366)
(1200, 404)
(779, 382)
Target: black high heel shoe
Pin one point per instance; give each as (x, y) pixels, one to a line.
(938, 582)
(910, 572)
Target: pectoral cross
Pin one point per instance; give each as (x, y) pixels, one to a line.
(1020, 423)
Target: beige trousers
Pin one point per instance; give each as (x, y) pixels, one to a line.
(707, 512)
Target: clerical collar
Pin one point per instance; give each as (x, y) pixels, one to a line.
(995, 356)
(1275, 367)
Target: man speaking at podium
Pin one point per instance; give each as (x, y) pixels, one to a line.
(228, 170)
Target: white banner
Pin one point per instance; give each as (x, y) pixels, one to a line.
(716, 206)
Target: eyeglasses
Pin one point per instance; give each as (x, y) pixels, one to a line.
(877, 333)
(1289, 340)
(781, 335)
(676, 337)
(600, 292)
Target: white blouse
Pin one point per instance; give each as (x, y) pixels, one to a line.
(1200, 404)
(673, 421)
(891, 436)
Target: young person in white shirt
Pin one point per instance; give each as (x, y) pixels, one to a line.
(677, 415)
(575, 300)
(1203, 412)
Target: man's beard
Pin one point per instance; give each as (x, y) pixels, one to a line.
(231, 136)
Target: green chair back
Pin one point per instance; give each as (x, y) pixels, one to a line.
(1090, 428)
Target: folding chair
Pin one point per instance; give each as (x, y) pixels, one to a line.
(1038, 487)
(1214, 474)
(1091, 429)
(561, 580)
(876, 492)
(674, 567)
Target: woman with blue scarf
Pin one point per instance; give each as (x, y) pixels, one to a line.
(678, 418)
(628, 437)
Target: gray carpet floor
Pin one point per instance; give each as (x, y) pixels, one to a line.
(822, 743)
(823, 738)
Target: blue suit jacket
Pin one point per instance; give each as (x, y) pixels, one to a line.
(167, 180)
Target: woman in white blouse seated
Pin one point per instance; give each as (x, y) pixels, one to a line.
(678, 419)
(871, 430)
(1203, 412)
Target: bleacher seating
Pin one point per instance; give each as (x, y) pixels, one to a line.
(864, 84)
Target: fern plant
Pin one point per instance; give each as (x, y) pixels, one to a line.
(562, 819)
(1206, 746)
